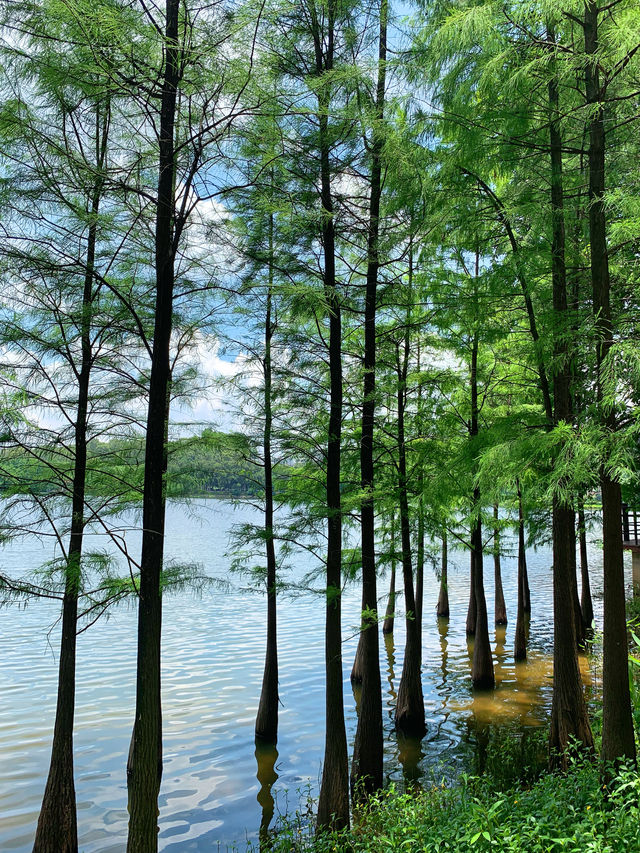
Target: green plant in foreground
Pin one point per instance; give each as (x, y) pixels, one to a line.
(573, 813)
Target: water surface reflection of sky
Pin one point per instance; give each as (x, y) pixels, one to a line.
(215, 788)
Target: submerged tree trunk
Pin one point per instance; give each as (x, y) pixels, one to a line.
(420, 531)
(144, 769)
(57, 831)
(578, 618)
(420, 560)
(500, 606)
(569, 718)
(472, 609)
(526, 590)
(333, 802)
(443, 598)
(267, 716)
(366, 768)
(520, 642)
(482, 674)
(618, 740)
(387, 626)
(410, 703)
(586, 602)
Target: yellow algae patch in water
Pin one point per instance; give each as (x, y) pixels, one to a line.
(521, 692)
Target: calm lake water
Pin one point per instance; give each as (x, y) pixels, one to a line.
(213, 651)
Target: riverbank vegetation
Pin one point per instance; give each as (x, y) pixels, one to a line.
(572, 812)
(416, 230)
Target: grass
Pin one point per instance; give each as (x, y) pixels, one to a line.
(516, 806)
(573, 813)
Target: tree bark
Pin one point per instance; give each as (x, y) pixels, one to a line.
(472, 609)
(442, 609)
(267, 716)
(420, 560)
(586, 602)
(57, 831)
(409, 717)
(617, 724)
(144, 769)
(569, 718)
(387, 625)
(366, 768)
(482, 674)
(500, 606)
(333, 802)
(520, 642)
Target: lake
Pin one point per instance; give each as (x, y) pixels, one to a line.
(213, 653)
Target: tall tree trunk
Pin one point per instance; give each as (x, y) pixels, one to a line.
(410, 704)
(442, 609)
(617, 725)
(586, 602)
(569, 718)
(366, 768)
(420, 530)
(420, 559)
(482, 674)
(500, 606)
(333, 802)
(520, 641)
(267, 716)
(57, 831)
(387, 625)
(144, 769)
(578, 618)
(472, 608)
(526, 589)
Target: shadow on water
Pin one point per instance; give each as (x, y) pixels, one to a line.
(266, 757)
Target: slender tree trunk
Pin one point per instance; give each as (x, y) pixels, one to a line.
(333, 803)
(420, 531)
(578, 618)
(526, 589)
(410, 703)
(267, 716)
(586, 602)
(366, 768)
(520, 642)
(569, 718)
(443, 598)
(56, 831)
(144, 769)
(472, 609)
(617, 724)
(526, 294)
(482, 674)
(420, 560)
(387, 626)
(500, 606)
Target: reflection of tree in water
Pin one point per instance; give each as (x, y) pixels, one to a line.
(266, 757)
(391, 661)
(410, 754)
(443, 631)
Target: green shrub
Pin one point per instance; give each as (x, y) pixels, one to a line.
(572, 813)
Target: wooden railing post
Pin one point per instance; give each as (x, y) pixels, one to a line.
(625, 522)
